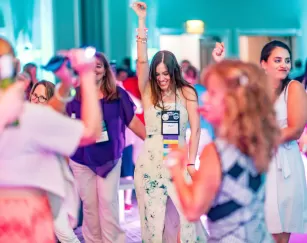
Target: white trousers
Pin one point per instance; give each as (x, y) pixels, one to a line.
(100, 204)
(63, 228)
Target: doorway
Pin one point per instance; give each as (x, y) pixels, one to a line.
(207, 44)
(250, 46)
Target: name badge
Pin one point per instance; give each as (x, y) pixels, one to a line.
(73, 116)
(104, 137)
(170, 122)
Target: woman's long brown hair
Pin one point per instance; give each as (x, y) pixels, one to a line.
(108, 83)
(177, 81)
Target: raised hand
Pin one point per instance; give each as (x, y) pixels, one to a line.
(81, 60)
(140, 9)
(218, 52)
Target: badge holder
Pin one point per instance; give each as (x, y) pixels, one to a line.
(170, 127)
(104, 134)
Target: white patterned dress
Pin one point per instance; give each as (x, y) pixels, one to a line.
(153, 183)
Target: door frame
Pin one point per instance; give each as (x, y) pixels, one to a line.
(286, 32)
(225, 34)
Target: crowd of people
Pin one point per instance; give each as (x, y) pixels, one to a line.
(227, 143)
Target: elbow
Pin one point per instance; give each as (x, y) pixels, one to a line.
(137, 127)
(195, 211)
(299, 133)
(193, 216)
(201, 206)
(195, 134)
(295, 134)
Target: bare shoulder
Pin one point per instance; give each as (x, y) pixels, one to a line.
(296, 87)
(189, 93)
(294, 84)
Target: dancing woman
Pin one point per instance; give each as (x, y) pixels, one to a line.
(286, 191)
(169, 103)
(97, 167)
(228, 186)
(32, 183)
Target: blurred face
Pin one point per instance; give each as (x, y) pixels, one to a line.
(163, 77)
(189, 76)
(184, 66)
(214, 106)
(278, 65)
(39, 95)
(33, 71)
(122, 76)
(99, 70)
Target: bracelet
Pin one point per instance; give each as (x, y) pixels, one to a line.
(190, 164)
(142, 62)
(138, 30)
(59, 97)
(141, 41)
(141, 38)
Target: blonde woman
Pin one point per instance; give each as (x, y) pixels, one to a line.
(228, 185)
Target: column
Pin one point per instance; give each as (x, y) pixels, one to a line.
(66, 24)
(302, 40)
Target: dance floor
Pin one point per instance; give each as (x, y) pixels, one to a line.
(131, 226)
(133, 233)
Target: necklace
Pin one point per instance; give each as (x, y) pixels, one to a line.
(167, 94)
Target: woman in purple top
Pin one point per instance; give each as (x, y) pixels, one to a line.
(97, 167)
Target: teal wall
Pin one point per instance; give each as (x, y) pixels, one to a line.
(65, 33)
(110, 24)
(270, 15)
(303, 24)
(231, 14)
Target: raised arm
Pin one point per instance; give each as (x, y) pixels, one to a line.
(91, 114)
(142, 63)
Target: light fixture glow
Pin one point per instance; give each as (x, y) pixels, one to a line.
(195, 27)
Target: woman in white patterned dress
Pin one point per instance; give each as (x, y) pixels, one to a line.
(169, 104)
